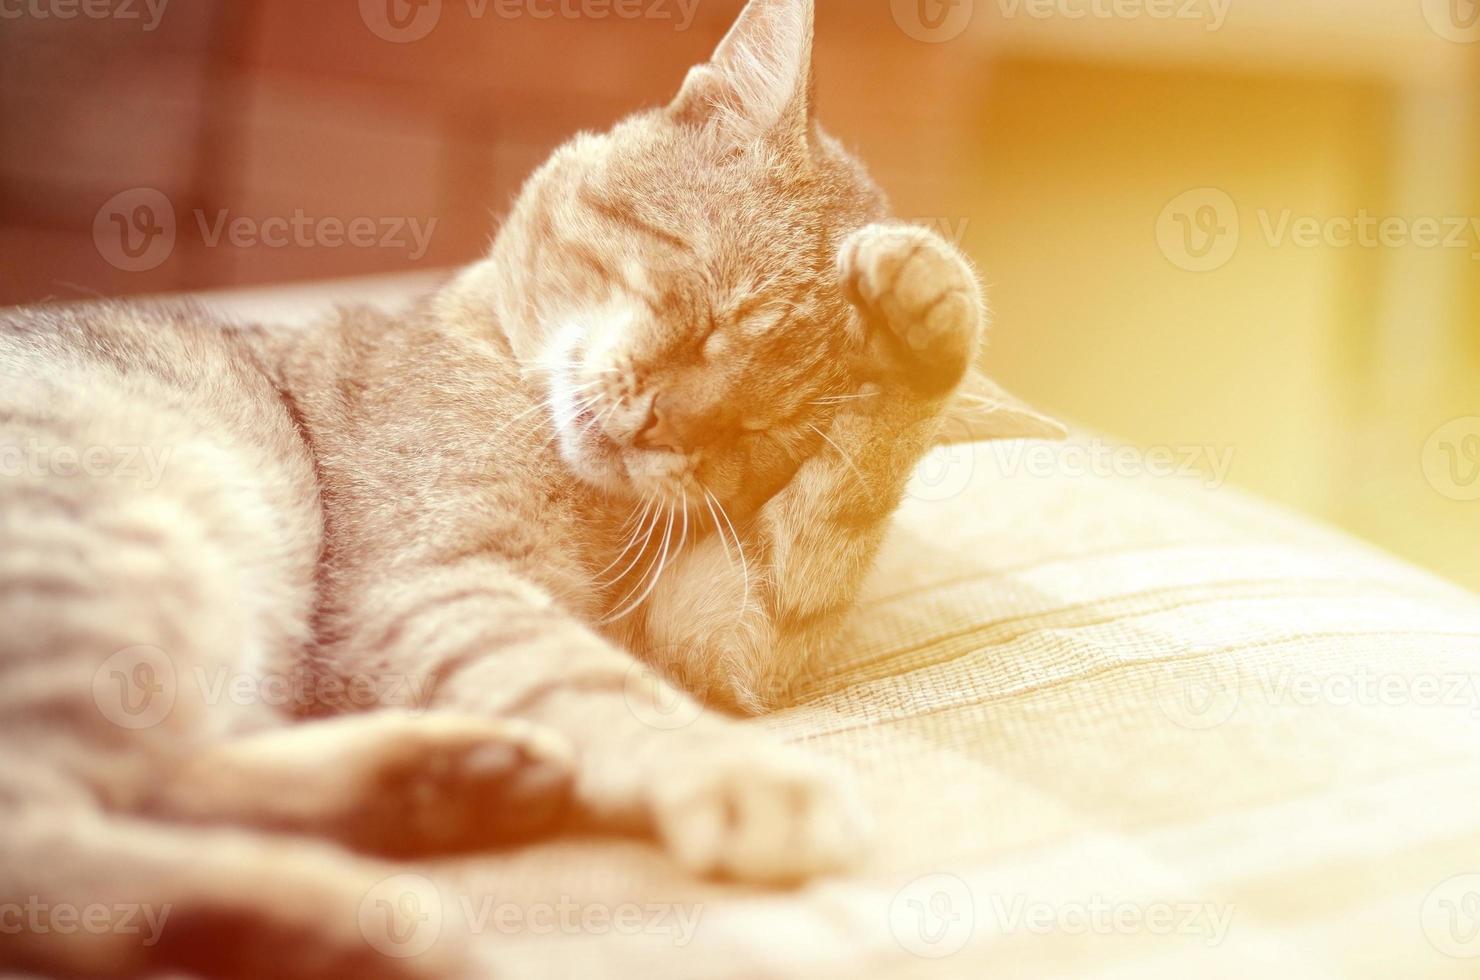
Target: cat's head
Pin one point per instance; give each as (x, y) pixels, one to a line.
(672, 283)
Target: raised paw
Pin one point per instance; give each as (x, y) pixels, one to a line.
(921, 295)
(769, 816)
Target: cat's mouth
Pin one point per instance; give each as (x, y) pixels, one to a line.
(599, 421)
(643, 473)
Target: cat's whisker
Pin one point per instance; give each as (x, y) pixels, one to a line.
(546, 403)
(846, 458)
(739, 549)
(573, 413)
(519, 418)
(652, 528)
(665, 552)
(718, 528)
(599, 420)
(632, 540)
(841, 399)
(565, 370)
(661, 562)
(724, 538)
(683, 539)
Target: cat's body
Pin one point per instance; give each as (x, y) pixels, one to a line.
(664, 423)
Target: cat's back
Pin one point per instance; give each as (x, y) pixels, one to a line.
(153, 426)
(125, 361)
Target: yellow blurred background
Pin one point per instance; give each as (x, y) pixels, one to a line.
(1237, 228)
(1330, 336)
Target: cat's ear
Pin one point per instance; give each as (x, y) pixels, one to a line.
(759, 81)
(984, 411)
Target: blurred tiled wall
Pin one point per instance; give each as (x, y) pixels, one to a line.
(270, 108)
(1052, 144)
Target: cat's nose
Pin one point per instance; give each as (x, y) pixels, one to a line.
(673, 426)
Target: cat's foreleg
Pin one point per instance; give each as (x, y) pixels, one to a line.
(724, 798)
(392, 783)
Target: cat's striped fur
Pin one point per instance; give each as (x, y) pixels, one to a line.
(668, 417)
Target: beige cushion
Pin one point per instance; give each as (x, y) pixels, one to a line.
(1108, 727)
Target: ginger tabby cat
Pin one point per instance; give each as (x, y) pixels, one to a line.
(663, 423)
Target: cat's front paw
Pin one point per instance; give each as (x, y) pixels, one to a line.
(459, 783)
(767, 815)
(412, 785)
(921, 296)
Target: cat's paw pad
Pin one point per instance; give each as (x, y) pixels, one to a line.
(769, 816)
(913, 284)
(449, 783)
